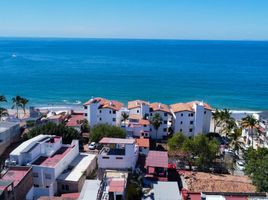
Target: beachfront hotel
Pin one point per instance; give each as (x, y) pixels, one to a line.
(191, 118)
(103, 111)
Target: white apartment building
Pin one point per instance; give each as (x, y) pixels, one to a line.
(137, 127)
(118, 153)
(48, 158)
(164, 111)
(191, 118)
(139, 107)
(102, 111)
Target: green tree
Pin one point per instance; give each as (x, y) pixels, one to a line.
(235, 144)
(156, 121)
(85, 128)
(67, 133)
(105, 130)
(250, 122)
(24, 102)
(257, 167)
(124, 117)
(223, 120)
(199, 150)
(16, 104)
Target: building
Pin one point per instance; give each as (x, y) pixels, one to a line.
(9, 133)
(137, 127)
(72, 179)
(165, 113)
(75, 121)
(49, 157)
(191, 118)
(118, 153)
(15, 183)
(103, 111)
(166, 191)
(139, 107)
(144, 145)
(113, 185)
(156, 165)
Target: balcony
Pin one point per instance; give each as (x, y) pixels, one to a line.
(107, 151)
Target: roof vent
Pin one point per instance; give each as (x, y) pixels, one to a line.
(159, 105)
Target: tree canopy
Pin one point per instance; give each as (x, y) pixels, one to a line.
(67, 133)
(105, 130)
(199, 150)
(257, 167)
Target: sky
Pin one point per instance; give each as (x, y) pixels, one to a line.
(154, 19)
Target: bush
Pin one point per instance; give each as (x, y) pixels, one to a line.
(105, 130)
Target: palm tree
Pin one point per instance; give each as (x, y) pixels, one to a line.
(3, 113)
(235, 136)
(124, 117)
(222, 118)
(3, 98)
(156, 121)
(16, 104)
(23, 102)
(250, 122)
(229, 126)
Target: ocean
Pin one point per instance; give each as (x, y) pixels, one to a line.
(225, 74)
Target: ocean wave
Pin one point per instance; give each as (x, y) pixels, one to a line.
(76, 102)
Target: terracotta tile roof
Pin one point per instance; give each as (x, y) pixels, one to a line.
(74, 120)
(136, 104)
(143, 142)
(144, 122)
(104, 103)
(159, 107)
(157, 159)
(207, 182)
(135, 116)
(178, 107)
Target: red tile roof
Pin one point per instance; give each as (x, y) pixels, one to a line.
(157, 159)
(117, 186)
(74, 120)
(136, 104)
(178, 107)
(53, 160)
(107, 140)
(143, 142)
(104, 103)
(16, 174)
(160, 107)
(71, 195)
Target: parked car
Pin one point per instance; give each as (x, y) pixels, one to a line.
(240, 165)
(92, 146)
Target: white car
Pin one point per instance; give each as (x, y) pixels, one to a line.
(240, 165)
(92, 146)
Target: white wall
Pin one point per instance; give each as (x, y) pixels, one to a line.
(161, 132)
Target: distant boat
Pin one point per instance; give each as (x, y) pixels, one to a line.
(14, 55)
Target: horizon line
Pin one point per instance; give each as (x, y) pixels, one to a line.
(128, 38)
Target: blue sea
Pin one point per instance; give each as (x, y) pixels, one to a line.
(226, 74)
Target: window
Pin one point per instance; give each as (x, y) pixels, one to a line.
(150, 129)
(100, 118)
(110, 112)
(151, 114)
(165, 129)
(119, 158)
(182, 114)
(114, 112)
(181, 122)
(191, 122)
(165, 114)
(35, 175)
(47, 186)
(165, 122)
(48, 176)
(67, 187)
(104, 157)
(99, 111)
(63, 187)
(192, 114)
(36, 185)
(114, 119)
(138, 111)
(189, 115)
(85, 114)
(85, 107)
(190, 130)
(180, 130)
(144, 125)
(205, 112)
